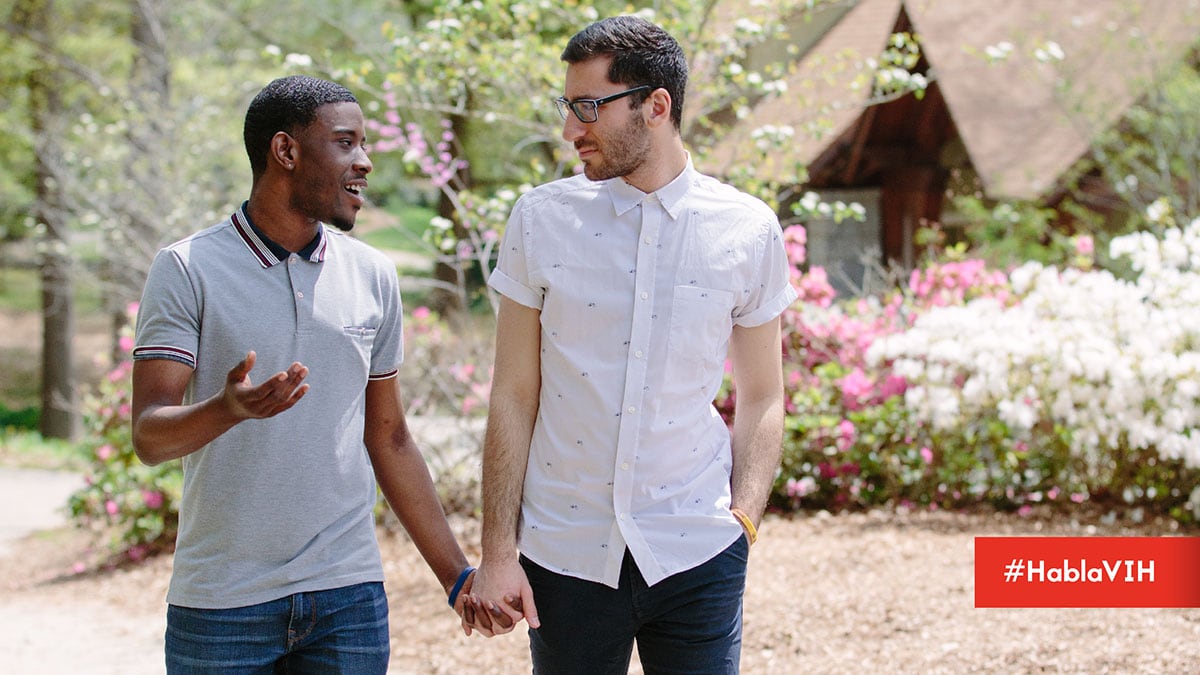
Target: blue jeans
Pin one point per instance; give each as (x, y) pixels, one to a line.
(690, 622)
(342, 630)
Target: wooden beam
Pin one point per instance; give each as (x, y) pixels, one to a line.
(861, 134)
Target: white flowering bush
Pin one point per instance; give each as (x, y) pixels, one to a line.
(1097, 377)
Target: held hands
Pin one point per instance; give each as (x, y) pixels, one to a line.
(472, 614)
(496, 598)
(278, 393)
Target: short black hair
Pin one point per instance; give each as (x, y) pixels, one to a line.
(287, 104)
(642, 53)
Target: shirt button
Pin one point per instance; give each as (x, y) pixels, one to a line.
(299, 294)
(647, 240)
(631, 409)
(292, 260)
(645, 295)
(624, 466)
(638, 353)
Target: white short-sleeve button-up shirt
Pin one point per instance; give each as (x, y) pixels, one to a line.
(638, 296)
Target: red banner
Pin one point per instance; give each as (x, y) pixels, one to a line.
(1087, 571)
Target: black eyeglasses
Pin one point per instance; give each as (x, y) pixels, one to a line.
(588, 109)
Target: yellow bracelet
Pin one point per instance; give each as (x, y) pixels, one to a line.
(747, 524)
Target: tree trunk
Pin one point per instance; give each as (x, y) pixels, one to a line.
(149, 91)
(60, 411)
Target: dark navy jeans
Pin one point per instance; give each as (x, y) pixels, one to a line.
(690, 622)
(342, 630)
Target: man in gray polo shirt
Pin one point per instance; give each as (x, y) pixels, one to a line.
(266, 358)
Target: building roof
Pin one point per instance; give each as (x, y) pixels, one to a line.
(825, 93)
(1028, 83)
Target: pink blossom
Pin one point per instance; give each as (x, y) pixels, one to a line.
(468, 404)
(111, 507)
(846, 434)
(421, 313)
(463, 372)
(116, 374)
(927, 455)
(153, 499)
(893, 385)
(1084, 245)
(1025, 510)
(794, 240)
(856, 389)
(814, 288)
(798, 489)
(105, 452)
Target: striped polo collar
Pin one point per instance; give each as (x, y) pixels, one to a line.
(268, 252)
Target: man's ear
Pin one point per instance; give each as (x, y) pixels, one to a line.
(284, 150)
(658, 108)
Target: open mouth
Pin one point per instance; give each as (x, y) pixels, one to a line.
(355, 190)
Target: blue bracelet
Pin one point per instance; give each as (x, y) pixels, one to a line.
(462, 579)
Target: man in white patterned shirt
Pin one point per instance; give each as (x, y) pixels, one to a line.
(605, 462)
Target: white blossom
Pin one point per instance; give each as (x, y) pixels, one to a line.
(1116, 362)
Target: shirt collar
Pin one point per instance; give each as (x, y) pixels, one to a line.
(267, 251)
(626, 196)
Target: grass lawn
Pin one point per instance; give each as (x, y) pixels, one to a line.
(396, 228)
(24, 449)
(21, 291)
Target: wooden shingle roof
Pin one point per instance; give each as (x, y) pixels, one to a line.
(1029, 83)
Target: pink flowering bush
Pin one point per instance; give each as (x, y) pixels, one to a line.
(866, 427)
(445, 374)
(446, 371)
(136, 505)
(446, 382)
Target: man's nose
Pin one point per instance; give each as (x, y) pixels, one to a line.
(573, 129)
(362, 161)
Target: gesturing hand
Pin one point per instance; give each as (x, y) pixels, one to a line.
(278, 393)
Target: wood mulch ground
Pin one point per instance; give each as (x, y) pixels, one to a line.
(870, 592)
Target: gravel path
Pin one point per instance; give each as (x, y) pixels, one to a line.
(875, 592)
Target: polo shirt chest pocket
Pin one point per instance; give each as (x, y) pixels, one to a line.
(362, 338)
(701, 320)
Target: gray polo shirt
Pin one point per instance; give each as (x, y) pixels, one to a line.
(280, 505)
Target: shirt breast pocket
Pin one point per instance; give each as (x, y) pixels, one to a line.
(363, 339)
(701, 320)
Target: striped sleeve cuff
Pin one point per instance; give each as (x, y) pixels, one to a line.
(147, 352)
